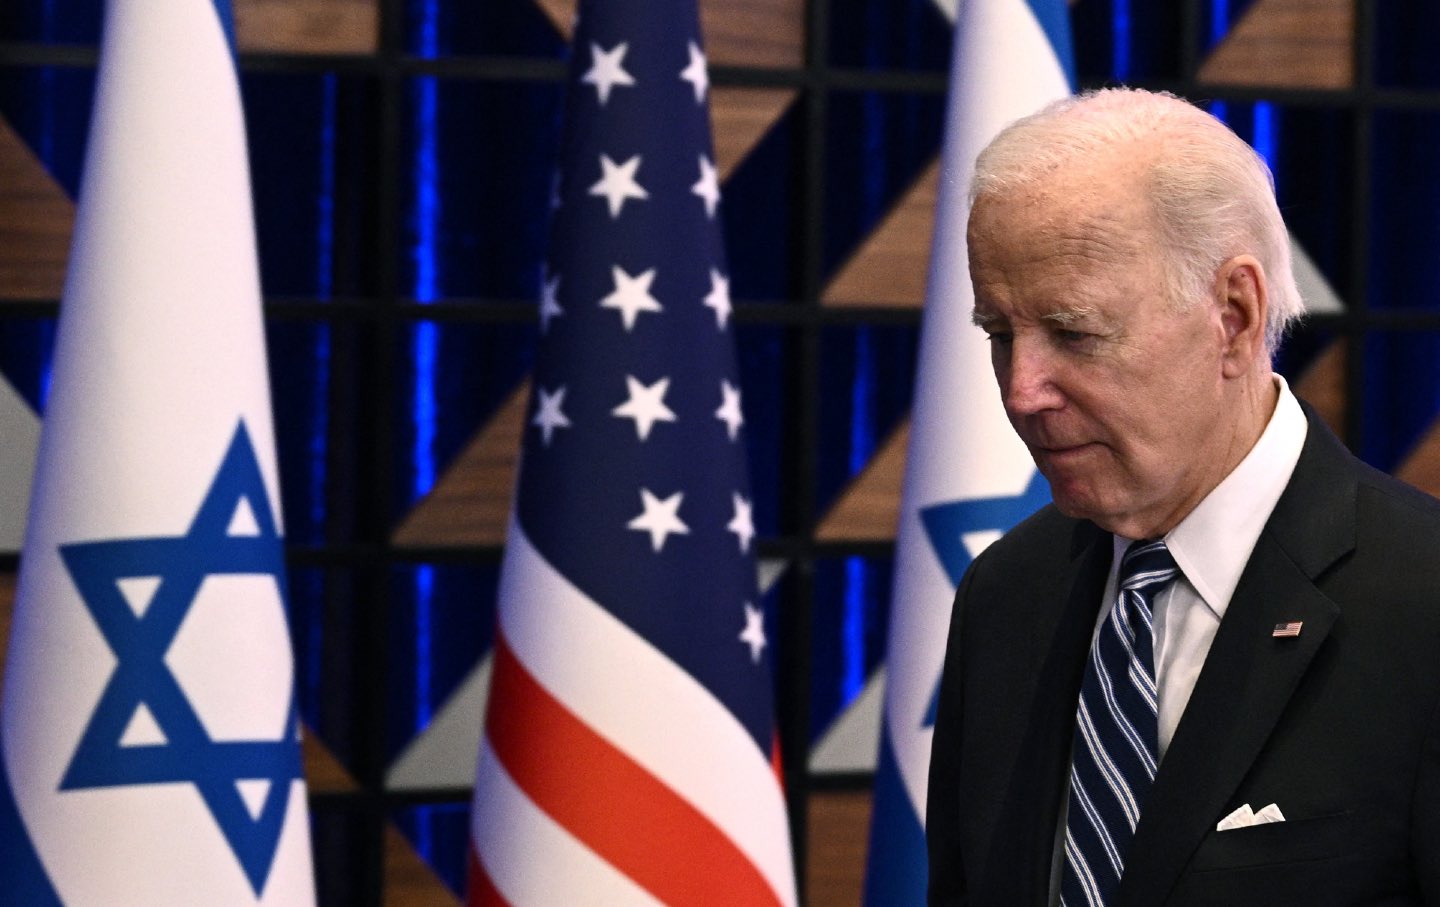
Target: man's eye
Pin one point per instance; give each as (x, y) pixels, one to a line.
(999, 337)
(1071, 337)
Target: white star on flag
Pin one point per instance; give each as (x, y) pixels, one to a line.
(719, 298)
(754, 633)
(742, 524)
(729, 411)
(606, 70)
(617, 183)
(660, 518)
(646, 405)
(695, 73)
(632, 295)
(548, 415)
(550, 301)
(708, 186)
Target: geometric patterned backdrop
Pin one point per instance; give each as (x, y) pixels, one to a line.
(401, 153)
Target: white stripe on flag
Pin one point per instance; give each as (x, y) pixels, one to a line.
(648, 707)
(512, 836)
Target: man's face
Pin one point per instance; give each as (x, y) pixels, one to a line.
(1119, 398)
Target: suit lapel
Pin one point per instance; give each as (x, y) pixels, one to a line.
(1249, 675)
(1248, 678)
(1024, 840)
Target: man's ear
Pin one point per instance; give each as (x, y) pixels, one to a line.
(1243, 297)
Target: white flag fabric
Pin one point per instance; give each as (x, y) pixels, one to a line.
(968, 478)
(149, 731)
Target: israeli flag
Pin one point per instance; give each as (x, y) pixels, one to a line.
(149, 742)
(967, 478)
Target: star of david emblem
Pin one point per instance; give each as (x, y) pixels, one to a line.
(245, 783)
(947, 525)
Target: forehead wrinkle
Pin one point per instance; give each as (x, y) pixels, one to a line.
(1105, 235)
(1073, 220)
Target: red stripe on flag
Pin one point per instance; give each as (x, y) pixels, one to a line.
(479, 890)
(777, 764)
(603, 797)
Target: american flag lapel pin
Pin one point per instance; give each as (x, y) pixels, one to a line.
(1288, 630)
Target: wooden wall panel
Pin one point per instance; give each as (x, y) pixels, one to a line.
(36, 218)
(839, 835)
(307, 26)
(889, 268)
(1422, 467)
(754, 32)
(739, 119)
(1288, 44)
(409, 882)
(737, 32)
(323, 772)
(470, 504)
(868, 509)
(1322, 385)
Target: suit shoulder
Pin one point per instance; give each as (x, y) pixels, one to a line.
(1327, 466)
(1398, 534)
(1398, 499)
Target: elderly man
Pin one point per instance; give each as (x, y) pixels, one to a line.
(1209, 673)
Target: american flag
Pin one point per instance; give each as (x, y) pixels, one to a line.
(629, 751)
(1288, 629)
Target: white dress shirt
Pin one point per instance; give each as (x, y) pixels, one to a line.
(1211, 545)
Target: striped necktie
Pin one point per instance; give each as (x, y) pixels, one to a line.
(1114, 755)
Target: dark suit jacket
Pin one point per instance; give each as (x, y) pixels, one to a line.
(1340, 726)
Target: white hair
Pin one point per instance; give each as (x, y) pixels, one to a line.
(1213, 197)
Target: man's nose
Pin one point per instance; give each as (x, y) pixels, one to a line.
(1029, 379)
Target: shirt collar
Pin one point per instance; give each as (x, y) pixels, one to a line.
(1213, 543)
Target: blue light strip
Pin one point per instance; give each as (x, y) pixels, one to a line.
(862, 403)
(324, 288)
(1120, 39)
(852, 630)
(1219, 20)
(318, 447)
(1267, 132)
(857, 572)
(425, 354)
(325, 227)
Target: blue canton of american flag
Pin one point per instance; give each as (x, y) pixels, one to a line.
(629, 748)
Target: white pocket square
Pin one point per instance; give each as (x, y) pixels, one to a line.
(1244, 817)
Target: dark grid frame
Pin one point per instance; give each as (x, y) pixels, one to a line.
(367, 330)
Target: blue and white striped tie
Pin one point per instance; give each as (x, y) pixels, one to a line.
(1114, 756)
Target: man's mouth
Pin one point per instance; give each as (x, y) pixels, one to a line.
(1061, 452)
